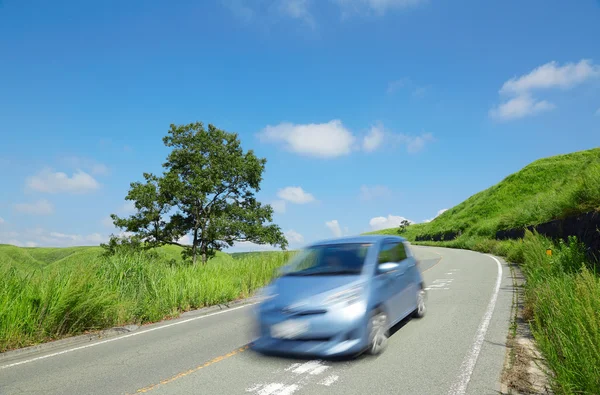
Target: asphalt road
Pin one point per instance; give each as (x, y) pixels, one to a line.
(458, 348)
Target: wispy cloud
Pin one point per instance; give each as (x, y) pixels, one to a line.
(302, 10)
(519, 90)
(89, 165)
(49, 181)
(297, 9)
(40, 207)
(295, 195)
(332, 139)
(374, 138)
(293, 237)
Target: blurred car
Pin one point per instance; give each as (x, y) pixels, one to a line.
(340, 298)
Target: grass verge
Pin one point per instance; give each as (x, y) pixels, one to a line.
(562, 305)
(136, 288)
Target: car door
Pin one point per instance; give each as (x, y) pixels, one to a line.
(391, 284)
(407, 294)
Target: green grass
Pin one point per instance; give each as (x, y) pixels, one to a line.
(562, 290)
(72, 291)
(547, 189)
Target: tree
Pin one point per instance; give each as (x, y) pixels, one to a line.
(403, 225)
(205, 196)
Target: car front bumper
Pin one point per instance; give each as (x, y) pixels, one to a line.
(335, 333)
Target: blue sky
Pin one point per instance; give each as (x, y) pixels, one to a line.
(368, 111)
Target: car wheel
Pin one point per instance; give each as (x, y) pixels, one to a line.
(421, 305)
(378, 332)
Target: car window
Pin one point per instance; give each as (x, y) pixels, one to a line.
(328, 260)
(391, 252)
(387, 253)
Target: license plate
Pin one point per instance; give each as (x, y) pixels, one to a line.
(289, 329)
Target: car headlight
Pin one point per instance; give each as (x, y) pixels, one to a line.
(266, 293)
(347, 297)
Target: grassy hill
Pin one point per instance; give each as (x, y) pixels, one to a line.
(546, 189)
(562, 292)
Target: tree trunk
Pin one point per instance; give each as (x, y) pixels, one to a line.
(195, 247)
(204, 256)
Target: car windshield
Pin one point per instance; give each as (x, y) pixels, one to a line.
(331, 259)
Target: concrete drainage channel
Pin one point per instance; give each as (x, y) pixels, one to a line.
(9, 357)
(524, 369)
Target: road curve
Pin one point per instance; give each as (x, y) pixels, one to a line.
(458, 348)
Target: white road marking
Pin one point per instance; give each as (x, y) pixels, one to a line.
(466, 369)
(329, 380)
(308, 367)
(123, 337)
(301, 375)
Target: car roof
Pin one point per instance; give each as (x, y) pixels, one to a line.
(360, 239)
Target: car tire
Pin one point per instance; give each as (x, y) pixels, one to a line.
(378, 332)
(421, 303)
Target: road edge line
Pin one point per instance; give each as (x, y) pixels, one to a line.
(136, 333)
(468, 364)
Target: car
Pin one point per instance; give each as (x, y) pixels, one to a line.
(339, 297)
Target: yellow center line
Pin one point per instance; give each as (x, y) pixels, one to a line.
(190, 371)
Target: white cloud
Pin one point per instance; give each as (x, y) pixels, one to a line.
(374, 192)
(519, 107)
(332, 139)
(40, 207)
(2, 220)
(278, 206)
(294, 237)
(440, 212)
(391, 221)
(373, 139)
(548, 76)
(334, 227)
(57, 182)
(323, 140)
(295, 195)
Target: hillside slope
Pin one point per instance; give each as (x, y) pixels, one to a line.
(30, 258)
(549, 188)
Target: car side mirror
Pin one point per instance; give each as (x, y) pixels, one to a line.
(387, 267)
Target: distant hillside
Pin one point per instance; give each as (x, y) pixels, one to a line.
(549, 188)
(30, 258)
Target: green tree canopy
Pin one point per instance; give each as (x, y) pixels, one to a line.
(206, 196)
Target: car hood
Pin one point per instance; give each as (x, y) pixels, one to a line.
(310, 289)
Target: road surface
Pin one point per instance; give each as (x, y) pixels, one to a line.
(458, 348)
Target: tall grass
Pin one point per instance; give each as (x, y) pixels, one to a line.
(562, 303)
(136, 288)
